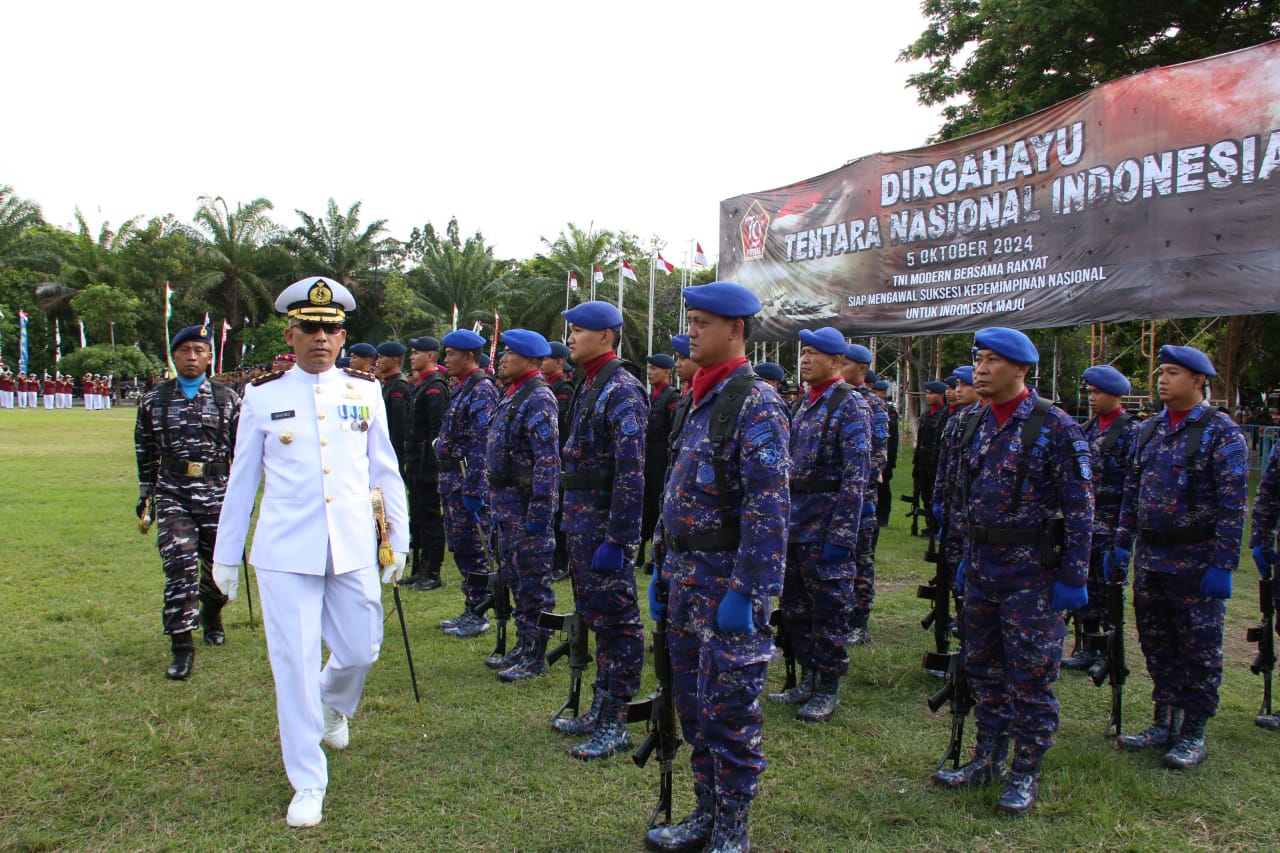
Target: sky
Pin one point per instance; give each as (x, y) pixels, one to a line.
(515, 117)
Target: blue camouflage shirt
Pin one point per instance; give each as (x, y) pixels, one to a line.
(526, 442)
(830, 445)
(463, 434)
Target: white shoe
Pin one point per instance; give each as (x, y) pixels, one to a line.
(306, 808)
(336, 732)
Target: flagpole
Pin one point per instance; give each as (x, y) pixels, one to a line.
(567, 284)
(620, 310)
(651, 275)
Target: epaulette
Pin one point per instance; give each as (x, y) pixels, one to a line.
(359, 374)
(268, 377)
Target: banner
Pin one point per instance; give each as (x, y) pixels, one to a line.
(1153, 196)
(22, 341)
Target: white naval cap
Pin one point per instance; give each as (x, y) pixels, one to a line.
(316, 298)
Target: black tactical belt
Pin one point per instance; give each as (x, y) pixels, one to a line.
(809, 487)
(449, 464)
(513, 480)
(195, 469)
(724, 539)
(1108, 500)
(1005, 535)
(1179, 536)
(587, 482)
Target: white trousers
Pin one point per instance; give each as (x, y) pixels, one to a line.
(298, 611)
(48, 402)
(6, 399)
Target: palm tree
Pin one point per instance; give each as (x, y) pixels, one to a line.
(230, 258)
(85, 260)
(462, 273)
(17, 217)
(336, 247)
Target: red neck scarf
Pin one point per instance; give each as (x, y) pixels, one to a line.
(657, 389)
(933, 410)
(818, 390)
(709, 377)
(592, 367)
(552, 380)
(1105, 421)
(1002, 411)
(515, 385)
(1177, 416)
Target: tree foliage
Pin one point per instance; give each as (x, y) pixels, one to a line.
(109, 313)
(119, 361)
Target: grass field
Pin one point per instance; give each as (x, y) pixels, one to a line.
(99, 752)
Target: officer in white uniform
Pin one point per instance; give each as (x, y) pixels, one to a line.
(318, 435)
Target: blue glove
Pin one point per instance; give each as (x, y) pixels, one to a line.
(1216, 583)
(1265, 559)
(1067, 597)
(607, 558)
(868, 509)
(471, 503)
(1109, 568)
(534, 528)
(835, 553)
(960, 577)
(657, 606)
(734, 613)
(937, 514)
(1120, 559)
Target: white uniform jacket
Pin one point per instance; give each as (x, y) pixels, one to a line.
(321, 441)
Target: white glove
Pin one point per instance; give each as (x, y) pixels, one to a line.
(227, 577)
(392, 573)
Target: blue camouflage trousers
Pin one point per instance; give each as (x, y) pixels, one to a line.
(607, 602)
(718, 678)
(463, 535)
(1180, 632)
(525, 560)
(864, 584)
(185, 537)
(816, 599)
(1012, 648)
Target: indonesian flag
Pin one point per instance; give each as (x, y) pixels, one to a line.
(573, 281)
(206, 319)
(628, 272)
(455, 315)
(664, 266)
(597, 275)
(699, 257)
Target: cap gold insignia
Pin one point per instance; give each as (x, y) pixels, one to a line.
(320, 294)
(204, 333)
(286, 436)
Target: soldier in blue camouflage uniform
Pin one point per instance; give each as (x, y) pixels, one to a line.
(1111, 433)
(857, 363)
(725, 535)
(1266, 519)
(603, 481)
(1030, 512)
(663, 397)
(523, 457)
(463, 485)
(1186, 511)
(184, 437)
(830, 457)
(947, 498)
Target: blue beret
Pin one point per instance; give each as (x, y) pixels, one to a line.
(364, 350)
(1107, 379)
(463, 339)
(1189, 357)
(871, 377)
(426, 343)
(484, 361)
(662, 360)
(935, 387)
(594, 315)
(827, 339)
(395, 349)
(951, 381)
(724, 298)
(342, 362)
(881, 385)
(559, 350)
(964, 373)
(769, 370)
(680, 343)
(1007, 343)
(858, 353)
(191, 333)
(526, 343)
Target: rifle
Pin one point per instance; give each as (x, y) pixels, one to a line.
(576, 646)
(1112, 668)
(954, 692)
(783, 641)
(497, 594)
(938, 591)
(916, 511)
(658, 713)
(1265, 660)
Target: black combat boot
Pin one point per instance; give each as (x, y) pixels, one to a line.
(430, 579)
(468, 625)
(826, 698)
(987, 764)
(184, 657)
(446, 624)
(1188, 752)
(1081, 657)
(611, 733)
(691, 833)
(861, 633)
(1022, 784)
(532, 664)
(211, 623)
(511, 658)
(583, 725)
(798, 695)
(1161, 733)
(729, 835)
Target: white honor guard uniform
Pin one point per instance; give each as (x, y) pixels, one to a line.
(320, 440)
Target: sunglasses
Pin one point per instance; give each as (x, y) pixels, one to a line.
(309, 327)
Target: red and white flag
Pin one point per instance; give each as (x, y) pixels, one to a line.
(699, 257)
(597, 275)
(664, 266)
(573, 281)
(628, 272)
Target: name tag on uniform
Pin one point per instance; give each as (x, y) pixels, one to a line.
(279, 416)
